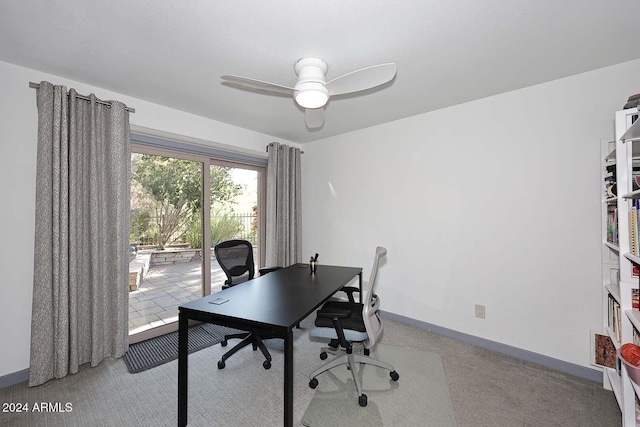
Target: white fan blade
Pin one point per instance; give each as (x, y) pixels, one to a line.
(314, 117)
(258, 84)
(362, 79)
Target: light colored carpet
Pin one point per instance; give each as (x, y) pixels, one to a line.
(422, 387)
(486, 389)
(493, 390)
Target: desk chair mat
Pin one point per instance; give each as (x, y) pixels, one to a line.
(422, 387)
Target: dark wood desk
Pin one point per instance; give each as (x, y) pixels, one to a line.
(270, 305)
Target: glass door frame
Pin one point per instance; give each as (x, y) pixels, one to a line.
(262, 210)
(206, 163)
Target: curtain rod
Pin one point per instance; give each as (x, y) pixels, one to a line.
(33, 85)
(271, 145)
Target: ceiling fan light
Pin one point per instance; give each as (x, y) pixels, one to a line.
(312, 98)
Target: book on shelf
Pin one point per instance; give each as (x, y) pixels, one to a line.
(615, 319)
(612, 224)
(635, 180)
(610, 170)
(635, 299)
(636, 337)
(618, 321)
(614, 276)
(636, 225)
(633, 231)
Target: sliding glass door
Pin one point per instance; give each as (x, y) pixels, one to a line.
(165, 268)
(173, 231)
(234, 211)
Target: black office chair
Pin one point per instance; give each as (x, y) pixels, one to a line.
(357, 328)
(235, 257)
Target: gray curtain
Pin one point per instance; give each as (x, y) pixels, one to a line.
(80, 285)
(284, 215)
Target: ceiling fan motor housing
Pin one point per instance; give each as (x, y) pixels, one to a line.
(309, 90)
(311, 69)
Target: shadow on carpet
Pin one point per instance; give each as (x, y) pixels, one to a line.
(160, 350)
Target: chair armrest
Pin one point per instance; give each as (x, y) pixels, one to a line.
(267, 270)
(335, 313)
(350, 290)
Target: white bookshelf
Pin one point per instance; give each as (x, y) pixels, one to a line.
(617, 255)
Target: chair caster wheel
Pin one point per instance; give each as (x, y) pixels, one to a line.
(223, 343)
(394, 375)
(266, 364)
(313, 383)
(362, 400)
(255, 347)
(323, 355)
(367, 352)
(221, 364)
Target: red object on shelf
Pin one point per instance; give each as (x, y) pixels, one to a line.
(631, 354)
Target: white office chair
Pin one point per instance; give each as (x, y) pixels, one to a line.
(357, 328)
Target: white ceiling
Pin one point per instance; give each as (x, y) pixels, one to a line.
(174, 52)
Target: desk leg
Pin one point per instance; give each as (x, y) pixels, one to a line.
(288, 380)
(183, 342)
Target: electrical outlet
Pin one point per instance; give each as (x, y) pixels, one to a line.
(480, 311)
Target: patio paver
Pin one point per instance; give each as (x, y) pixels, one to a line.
(164, 288)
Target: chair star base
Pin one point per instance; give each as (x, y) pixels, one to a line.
(247, 338)
(358, 354)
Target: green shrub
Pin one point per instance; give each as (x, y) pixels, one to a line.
(193, 235)
(224, 227)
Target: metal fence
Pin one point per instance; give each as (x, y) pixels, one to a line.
(223, 227)
(248, 227)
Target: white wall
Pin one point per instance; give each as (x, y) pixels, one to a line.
(18, 141)
(494, 202)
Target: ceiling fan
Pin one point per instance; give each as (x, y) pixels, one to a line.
(312, 91)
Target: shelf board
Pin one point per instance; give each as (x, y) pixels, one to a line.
(612, 246)
(632, 195)
(614, 290)
(634, 317)
(616, 383)
(611, 199)
(633, 258)
(632, 134)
